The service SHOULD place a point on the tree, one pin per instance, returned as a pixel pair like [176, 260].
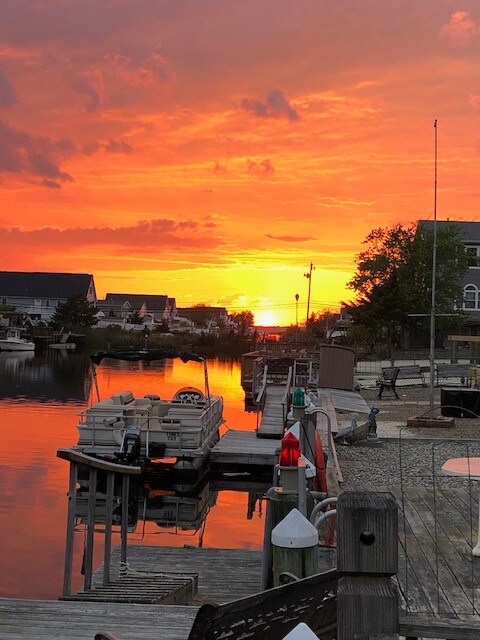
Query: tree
[75, 312]
[320, 325]
[243, 320]
[135, 318]
[393, 280]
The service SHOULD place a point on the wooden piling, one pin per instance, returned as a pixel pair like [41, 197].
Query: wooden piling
[367, 558]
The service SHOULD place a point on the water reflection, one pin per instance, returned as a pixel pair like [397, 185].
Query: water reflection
[54, 376]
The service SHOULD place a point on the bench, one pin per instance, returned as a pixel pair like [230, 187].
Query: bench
[445, 371]
[387, 381]
[270, 614]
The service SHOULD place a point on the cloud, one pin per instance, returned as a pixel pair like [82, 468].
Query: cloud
[155, 69]
[158, 232]
[109, 146]
[474, 100]
[7, 94]
[91, 85]
[262, 169]
[220, 169]
[291, 238]
[275, 106]
[23, 153]
[460, 28]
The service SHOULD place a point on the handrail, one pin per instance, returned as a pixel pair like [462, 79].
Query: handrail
[263, 387]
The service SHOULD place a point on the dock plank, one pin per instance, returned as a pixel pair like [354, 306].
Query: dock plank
[272, 422]
[237, 449]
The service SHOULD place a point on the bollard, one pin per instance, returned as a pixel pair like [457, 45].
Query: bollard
[301, 632]
[294, 547]
[367, 557]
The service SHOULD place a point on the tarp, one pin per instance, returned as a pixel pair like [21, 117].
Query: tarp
[145, 354]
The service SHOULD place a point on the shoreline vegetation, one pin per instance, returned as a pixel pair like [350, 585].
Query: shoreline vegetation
[205, 343]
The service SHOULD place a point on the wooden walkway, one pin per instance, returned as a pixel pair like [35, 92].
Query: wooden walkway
[240, 450]
[439, 580]
[273, 414]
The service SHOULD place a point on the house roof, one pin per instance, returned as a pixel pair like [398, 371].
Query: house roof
[43, 285]
[152, 302]
[468, 232]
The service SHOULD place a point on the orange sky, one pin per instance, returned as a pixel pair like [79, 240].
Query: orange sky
[210, 150]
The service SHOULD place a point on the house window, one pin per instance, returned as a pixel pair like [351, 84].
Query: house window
[4, 301]
[470, 297]
[47, 303]
[473, 256]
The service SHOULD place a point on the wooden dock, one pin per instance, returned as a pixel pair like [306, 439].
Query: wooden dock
[438, 577]
[274, 412]
[242, 450]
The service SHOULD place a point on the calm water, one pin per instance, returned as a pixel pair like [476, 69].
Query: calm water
[39, 399]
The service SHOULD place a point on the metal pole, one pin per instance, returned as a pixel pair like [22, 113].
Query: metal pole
[296, 316]
[434, 269]
[309, 277]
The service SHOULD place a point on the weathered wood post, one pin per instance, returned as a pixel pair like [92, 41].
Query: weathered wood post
[94, 465]
[294, 547]
[367, 558]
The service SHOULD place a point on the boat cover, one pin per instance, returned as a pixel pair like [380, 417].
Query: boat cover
[145, 354]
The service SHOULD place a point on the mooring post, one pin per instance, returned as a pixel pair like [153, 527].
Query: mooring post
[108, 527]
[367, 558]
[89, 540]
[72, 502]
[294, 547]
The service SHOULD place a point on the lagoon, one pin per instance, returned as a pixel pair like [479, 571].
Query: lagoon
[40, 397]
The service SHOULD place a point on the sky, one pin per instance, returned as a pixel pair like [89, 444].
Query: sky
[211, 150]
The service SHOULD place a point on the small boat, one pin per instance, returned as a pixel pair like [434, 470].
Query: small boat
[13, 341]
[63, 344]
[151, 428]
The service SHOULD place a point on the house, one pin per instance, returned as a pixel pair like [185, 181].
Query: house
[469, 234]
[37, 294]
[122, 305]
[203, 316]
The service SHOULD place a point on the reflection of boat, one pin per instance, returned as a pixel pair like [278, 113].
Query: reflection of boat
[129, 428]
[170, 509]
[13, 341]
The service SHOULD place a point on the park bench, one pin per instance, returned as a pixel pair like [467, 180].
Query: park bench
[444, 371]
[270, 614]
[387, 381]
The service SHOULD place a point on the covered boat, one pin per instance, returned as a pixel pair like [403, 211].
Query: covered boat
[129, 428]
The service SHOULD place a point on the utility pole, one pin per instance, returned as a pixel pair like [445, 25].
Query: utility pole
[296, 316]
[309, 277]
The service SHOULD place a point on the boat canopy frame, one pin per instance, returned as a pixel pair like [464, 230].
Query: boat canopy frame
[148, 355]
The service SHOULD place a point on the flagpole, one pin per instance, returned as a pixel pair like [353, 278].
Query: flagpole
[434, 274]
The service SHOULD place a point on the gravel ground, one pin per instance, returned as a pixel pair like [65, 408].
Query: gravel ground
[408, 456]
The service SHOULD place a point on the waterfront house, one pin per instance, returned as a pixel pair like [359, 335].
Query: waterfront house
[37, 294]
[122, 305]
[469, 234]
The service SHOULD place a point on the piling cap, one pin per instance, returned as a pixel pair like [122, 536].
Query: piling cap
[295, 532]
[301, 632]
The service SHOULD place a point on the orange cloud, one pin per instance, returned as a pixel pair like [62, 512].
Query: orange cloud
[461, 27]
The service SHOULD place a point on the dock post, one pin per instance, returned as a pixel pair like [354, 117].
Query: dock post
[72, 503]
[92, 492]
[108, 527]
[294, 547]
[367, 558]
[124, 523]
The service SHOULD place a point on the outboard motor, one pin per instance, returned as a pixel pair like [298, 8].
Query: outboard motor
[130, 449]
